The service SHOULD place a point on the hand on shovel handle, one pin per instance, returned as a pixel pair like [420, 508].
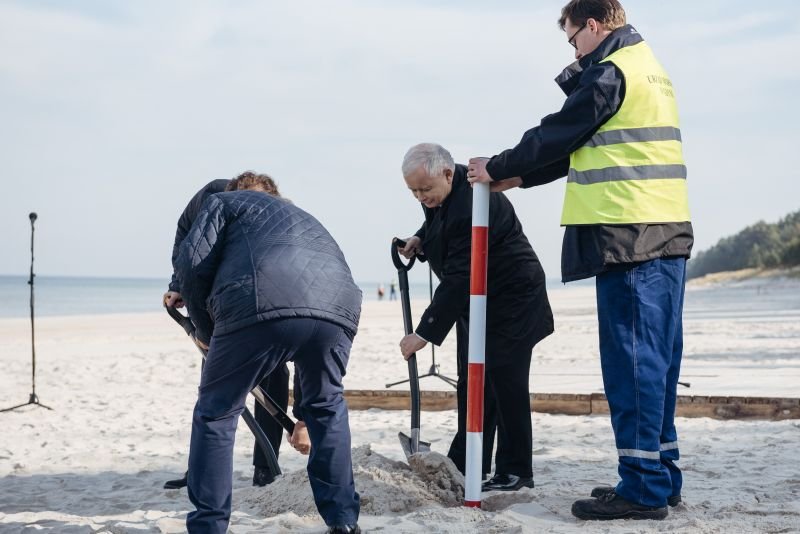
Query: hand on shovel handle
[411, 344]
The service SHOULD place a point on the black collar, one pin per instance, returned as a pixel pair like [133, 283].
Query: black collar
[619, 38]
[459, 181]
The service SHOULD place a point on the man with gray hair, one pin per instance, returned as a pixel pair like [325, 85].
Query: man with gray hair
[518, 312]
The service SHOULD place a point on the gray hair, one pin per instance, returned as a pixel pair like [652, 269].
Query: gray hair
[435, 159]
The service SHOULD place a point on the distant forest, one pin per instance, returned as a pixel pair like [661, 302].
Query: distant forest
[761, 245]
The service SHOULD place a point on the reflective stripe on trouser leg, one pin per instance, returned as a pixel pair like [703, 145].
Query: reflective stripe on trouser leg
[636, 312]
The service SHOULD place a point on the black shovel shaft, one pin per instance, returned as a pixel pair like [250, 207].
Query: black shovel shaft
[263, 442]
[273, 409]
[413, 373]
[405, 301]
[260, 395]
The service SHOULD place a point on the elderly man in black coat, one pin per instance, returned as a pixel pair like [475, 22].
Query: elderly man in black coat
[265, 283]
[518, 312]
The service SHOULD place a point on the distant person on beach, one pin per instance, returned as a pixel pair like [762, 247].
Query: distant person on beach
[381, 291]
[237, 270]
[276, 385]
[518, 311]
[626, 219]
[392, 290]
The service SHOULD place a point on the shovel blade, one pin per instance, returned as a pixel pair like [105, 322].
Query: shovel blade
[408, 445]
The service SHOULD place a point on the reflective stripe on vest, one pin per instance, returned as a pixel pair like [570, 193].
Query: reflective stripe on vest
[633, 135]
[632, 170]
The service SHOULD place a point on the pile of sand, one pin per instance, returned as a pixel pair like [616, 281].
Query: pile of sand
[386, 486]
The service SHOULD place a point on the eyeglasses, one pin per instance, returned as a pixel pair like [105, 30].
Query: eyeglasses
[571, 40]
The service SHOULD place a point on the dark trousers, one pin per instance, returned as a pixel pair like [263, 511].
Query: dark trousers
[506, 412]
[276, 385]
[640, 314]
[236, 363]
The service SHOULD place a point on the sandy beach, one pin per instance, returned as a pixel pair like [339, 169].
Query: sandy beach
[123, 387]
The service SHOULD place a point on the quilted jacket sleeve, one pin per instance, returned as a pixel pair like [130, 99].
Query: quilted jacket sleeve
[187, 218]
[197, 263]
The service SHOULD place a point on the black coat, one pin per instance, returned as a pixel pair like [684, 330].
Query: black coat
[518, 311]
[252, 257]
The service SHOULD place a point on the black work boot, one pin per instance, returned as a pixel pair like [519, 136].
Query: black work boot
[178, 483]
[507, 483]
[612, 506]
[344, 529]
[673, 501]
[262, 476]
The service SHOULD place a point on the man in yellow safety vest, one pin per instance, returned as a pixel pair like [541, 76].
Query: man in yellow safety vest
[626, 219]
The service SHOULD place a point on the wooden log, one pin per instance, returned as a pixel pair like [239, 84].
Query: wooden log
[561, 403]
[717, 407]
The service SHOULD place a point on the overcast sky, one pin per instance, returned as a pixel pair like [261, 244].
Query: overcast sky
[114, 113]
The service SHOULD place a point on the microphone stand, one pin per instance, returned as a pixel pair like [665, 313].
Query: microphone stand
[33, 399]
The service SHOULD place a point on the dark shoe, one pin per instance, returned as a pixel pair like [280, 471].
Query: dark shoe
[507, 483]
[673, 501]
[262, 476]
[612, 506]
[344, 529]
[178, 483]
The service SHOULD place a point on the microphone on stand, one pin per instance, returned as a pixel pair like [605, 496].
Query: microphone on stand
[33, 399]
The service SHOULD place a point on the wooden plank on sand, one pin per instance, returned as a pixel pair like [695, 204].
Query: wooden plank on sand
[716, 407]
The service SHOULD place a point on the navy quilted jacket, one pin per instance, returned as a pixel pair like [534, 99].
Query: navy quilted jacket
[252, 257]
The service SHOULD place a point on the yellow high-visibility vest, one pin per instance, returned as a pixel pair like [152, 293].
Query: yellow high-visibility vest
[632, 170]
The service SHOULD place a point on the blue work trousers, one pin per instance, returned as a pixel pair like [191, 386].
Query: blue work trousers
[236, 363]
[640, 314]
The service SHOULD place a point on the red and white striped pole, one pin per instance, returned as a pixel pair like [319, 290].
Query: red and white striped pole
[477, 344]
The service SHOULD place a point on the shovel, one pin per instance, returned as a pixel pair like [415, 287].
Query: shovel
[411, 445]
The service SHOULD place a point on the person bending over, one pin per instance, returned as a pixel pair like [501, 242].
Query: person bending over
[266, 284]
[277, 384]
[518, 311]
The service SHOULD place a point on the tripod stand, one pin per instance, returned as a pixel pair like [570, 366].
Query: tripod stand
[434, 369]
[33, 399]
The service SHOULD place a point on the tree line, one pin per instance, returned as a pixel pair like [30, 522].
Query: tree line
[761, 245]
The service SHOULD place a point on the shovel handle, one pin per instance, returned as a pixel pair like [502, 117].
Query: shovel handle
[398, 263]
[181, 319]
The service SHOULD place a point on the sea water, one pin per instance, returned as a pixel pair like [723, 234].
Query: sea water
[63, 295]
[57, 295]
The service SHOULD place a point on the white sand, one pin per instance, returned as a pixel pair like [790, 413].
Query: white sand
[123, 388]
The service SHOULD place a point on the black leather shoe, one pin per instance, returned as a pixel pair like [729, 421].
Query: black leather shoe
[178, 483]
[344, 529]
[673, 501]
[262, 476]
[612, 506]
[507, 483]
